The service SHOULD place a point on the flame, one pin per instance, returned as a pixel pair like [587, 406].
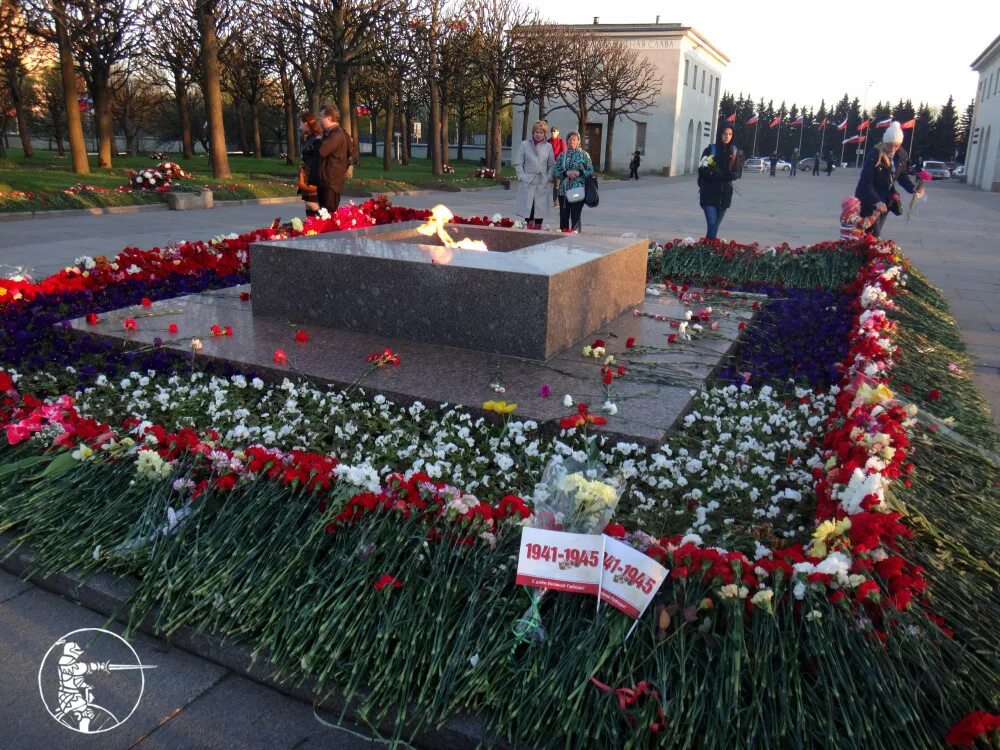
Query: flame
[441, 215]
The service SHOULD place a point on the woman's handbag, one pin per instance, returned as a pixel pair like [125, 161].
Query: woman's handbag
[575, 195]
[591, 198]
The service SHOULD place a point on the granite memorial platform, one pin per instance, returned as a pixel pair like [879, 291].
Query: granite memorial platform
[653, 396]
[531, 294]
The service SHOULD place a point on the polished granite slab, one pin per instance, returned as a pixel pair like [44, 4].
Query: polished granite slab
[531, 295]
[653, 395]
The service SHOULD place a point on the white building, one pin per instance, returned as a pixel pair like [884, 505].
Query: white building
[682, 123]
[982, 158]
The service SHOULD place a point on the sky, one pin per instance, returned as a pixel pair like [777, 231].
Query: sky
[917, 50]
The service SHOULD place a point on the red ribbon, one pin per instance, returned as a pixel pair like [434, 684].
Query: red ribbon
[629, 696]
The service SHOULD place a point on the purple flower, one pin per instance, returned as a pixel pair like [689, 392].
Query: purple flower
[545, 391]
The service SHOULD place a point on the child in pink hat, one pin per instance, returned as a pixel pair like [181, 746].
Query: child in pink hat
[852, 225]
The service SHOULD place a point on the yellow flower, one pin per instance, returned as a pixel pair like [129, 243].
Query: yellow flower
[825, 531]
[500, 407]
[588, 350]
[874, 395]
[3, 291]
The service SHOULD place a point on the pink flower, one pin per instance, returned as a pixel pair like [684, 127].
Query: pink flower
[280, 357]
[545, 391]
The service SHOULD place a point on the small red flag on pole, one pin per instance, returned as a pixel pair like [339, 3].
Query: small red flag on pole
[843, 125]
[863, 126]
[795, 122]
[908, 125]
[823, 123]
[731, 118]
[775, 122]
[884, 123]
[753, 120]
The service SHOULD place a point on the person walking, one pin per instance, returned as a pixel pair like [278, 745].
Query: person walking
[816, 164]
[829, 163]
[795, 162]
[308, 180]
[334, 152]
[534, 163]
[572, 170]
[633, 166]
[720, 164]
[774, 163]
[558, 146]
[884, 167]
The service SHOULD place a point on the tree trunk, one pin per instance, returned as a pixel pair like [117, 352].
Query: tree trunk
[291, 142]
[488, 153]
[445, 141]
[541, 101]
[213, 88]
[130, 143]
[373, 119]
[344, 102]
[434, 128]
[19, 108]
[103, 118]
[404, 130]
[255, 125]
[67, 66]
[497, 136]
[353, 116]
[390, 124]
[181, 97]
[241, 128]
[524, 118]
[609, 139]
[461, 128]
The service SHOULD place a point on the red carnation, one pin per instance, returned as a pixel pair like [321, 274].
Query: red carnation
[227, 331]
[6, 384]
[147, 302]
[172, 328]
[972, 727]
[742, 325]
[244, 296]
[630, 342]
[672, 338]
[615, 529]
[280, 357]
[387, 580]
[934, 395]
[92, 319]
[129, 324]
[301, 336]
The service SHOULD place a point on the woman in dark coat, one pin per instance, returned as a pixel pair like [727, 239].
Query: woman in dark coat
[719, 166]
[885, 165]
[308, 179]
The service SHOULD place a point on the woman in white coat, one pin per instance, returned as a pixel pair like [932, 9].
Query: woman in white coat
[534, 163]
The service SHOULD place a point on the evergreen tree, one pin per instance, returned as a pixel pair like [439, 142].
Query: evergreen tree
[944, 131]
[921, 148]
[964, 128]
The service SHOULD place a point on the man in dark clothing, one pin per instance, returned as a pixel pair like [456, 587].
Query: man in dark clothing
[816, 164]
[334, 152]
[633, 166]
[774, 163]
[829, 163]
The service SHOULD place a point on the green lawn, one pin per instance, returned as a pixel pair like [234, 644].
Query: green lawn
[47, 176]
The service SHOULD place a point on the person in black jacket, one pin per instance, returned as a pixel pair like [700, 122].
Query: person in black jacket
[774, 163]
[885, 165]
[719, 166]
[633, 167]
[816, 164]
[308, 180]
[829, 163]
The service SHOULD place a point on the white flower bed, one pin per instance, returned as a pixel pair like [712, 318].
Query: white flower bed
[737, 469]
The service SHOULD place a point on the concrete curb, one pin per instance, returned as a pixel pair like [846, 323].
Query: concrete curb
[95, 211]
[106, 594]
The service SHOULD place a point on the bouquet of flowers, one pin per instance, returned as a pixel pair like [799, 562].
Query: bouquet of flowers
[447, 169]
[485, 173]
[918, 194]
[708, 166]
[573, 496]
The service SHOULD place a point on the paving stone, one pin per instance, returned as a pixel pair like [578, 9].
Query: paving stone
[11, 586]
[239, 713]
[31, 623]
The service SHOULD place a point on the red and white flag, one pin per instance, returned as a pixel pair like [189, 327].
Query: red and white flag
[884, 123]
[843, 125]
[853, 139]
[731, 118]
[753, 120]
[908, 125]
[776, 121]
[863, 126]
[796, 122]
[823, 123]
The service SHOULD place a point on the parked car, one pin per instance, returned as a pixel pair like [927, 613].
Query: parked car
[937, 169]
[784, 166]
[754, 164]
[807, 164]
[958, 172]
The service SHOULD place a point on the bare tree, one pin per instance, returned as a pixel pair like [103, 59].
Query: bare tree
[135, 95]
[51, 20]
[173, 44]
[16, 44]
[52, 103]
[495, 52]
[628, 86]
[581, 85]
[206, 13]
[245, 68]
